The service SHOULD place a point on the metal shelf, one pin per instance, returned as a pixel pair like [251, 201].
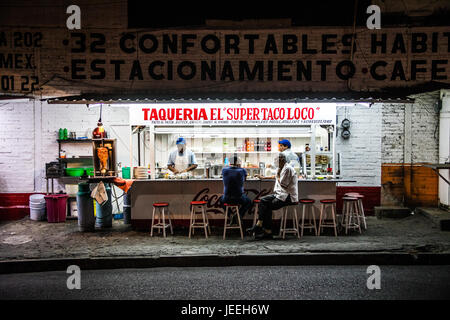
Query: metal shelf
[77, 159]
[74, 140]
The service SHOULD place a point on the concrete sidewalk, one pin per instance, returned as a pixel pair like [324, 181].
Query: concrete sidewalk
[45, 246]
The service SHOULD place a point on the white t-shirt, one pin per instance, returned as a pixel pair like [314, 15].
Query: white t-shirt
[287, 184]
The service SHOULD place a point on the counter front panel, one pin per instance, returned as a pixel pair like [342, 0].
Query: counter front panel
[179, 194]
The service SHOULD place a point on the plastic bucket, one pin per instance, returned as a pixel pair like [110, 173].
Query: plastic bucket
[104, 211]
[37, 212]
[86, 219]
[126, 208]
[37, 198]
[126, 172]
[56, 207]
[37, 207]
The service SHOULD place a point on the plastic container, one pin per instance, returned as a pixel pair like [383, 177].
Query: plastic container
[126, 208]
[75, 172]
[126, 172]
[56, 207]
[104, 211]
[90, 172]
[118, 216]
[86, 218]
[37, 199]
[37, 207]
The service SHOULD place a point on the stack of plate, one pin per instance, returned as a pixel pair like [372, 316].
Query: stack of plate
[140, 173]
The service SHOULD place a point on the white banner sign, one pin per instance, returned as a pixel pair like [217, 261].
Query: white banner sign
[233, 114]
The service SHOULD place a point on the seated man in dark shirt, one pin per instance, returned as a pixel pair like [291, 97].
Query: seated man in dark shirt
[233, 186]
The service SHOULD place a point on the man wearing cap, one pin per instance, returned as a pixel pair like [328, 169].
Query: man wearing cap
[291, 157]
[181, 160]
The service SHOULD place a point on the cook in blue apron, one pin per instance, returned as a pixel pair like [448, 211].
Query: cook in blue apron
[181, 160]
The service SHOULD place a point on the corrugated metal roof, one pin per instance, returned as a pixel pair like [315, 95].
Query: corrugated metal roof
[91, 98]
[386, 94]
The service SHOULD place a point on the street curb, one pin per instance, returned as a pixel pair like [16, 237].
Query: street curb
[328, 258]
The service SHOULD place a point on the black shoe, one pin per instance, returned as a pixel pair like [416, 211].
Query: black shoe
[255, 229]
[264, 236]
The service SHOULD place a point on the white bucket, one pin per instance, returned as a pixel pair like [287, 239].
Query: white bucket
[73, 209]
[37, 212]
[37, 198]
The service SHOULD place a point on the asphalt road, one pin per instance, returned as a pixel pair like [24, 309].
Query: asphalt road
[238, 283]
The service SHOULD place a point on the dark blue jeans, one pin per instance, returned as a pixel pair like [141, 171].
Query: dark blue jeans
[244, 201]
[267, 204]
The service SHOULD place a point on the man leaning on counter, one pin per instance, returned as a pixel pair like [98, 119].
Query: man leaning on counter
[182, 159]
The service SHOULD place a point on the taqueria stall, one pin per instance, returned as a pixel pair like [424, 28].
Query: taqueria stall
[214, 132]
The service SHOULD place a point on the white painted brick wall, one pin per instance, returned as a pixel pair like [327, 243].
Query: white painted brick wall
[424, 130]
[360, 154]
[16, 147]
[17, 139]
[393, 128]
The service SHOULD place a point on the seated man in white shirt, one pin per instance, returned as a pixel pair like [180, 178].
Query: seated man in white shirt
[285, 193]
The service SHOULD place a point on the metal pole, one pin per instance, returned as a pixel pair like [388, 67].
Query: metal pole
[139, 147]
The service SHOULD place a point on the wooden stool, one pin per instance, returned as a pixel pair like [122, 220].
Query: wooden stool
[349, 212]
[360, 206]
[231, 206]
[256, 203]
[284, 218]
[308, 204]
[205, 224]
[161, 206]
[324, 204]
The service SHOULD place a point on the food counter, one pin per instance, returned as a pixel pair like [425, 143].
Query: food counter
[180, 192]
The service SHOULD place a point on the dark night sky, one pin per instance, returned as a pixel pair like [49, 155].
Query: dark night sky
[194, 13]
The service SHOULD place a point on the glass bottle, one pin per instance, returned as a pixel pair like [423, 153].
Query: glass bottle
[99, 132]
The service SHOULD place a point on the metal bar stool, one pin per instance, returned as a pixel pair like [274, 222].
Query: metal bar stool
[350, 212]
[284, 218]
[256, 203]
[324, 204]
[360, 206]
[161, 206]
[226, 227]
[308, 204]
[193, 224]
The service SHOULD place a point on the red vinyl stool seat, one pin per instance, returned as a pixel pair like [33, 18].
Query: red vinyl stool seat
[307, 201]
[198, 202]
[328, 201]
[160, 204]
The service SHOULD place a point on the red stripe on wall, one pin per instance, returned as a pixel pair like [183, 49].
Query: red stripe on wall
[372, 197]
[14, 206]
